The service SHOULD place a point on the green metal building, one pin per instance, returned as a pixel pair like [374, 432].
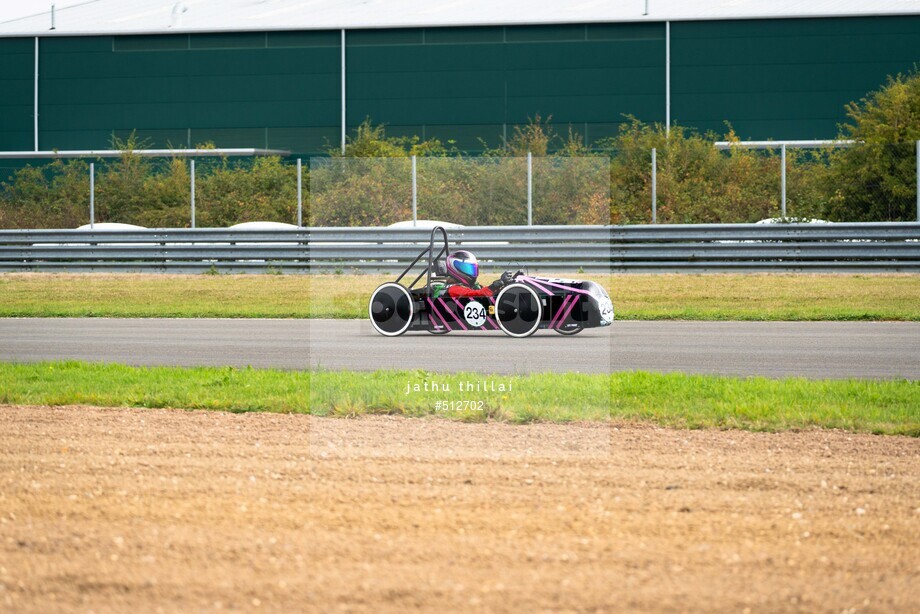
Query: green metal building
[285, 74]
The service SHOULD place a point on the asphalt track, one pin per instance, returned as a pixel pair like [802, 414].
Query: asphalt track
[772, 349]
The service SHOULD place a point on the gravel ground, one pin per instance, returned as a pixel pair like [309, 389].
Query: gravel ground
[117, 509]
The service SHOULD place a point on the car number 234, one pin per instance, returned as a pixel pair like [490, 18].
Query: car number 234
[475, 314]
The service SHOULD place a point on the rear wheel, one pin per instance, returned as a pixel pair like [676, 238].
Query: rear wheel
[390, 309]
[518, 310]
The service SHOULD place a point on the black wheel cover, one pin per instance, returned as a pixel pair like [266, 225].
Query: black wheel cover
[518, 310]
[390, 309]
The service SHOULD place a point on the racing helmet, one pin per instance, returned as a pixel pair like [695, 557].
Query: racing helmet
[463, 266]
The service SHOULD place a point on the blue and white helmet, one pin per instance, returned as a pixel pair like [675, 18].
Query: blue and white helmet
[463, 266]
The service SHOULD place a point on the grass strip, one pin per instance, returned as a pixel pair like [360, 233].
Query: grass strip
[635, 296]
[674, 400]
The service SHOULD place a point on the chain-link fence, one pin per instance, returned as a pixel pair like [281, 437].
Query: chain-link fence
[486, 191]
[52, 195]
[837, 181]
[859, 183]
[233, 190]
[678, 183]
[360, 191]
[740, 182]
[148, 191]
[473, 191]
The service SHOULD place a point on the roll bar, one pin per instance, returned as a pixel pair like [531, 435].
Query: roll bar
[432, 260]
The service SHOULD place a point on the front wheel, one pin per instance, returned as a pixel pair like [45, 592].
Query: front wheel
[569, 332]
[390, 309]
[518, 310]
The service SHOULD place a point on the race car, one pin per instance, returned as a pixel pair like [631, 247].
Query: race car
[517, 304]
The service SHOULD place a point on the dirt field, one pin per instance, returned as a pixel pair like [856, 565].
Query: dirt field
[138, 509]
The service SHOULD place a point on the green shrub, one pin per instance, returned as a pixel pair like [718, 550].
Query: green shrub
[696, 183]
[265, 190]
[55, 195]
[877, 181]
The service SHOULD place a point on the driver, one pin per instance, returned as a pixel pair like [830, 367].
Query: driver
[463, 267]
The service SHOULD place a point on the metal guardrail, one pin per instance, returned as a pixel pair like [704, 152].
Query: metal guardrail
[768, 247]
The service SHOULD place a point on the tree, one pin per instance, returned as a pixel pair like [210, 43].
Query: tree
[371, 141]
[696, 183]
[55, 195]
[875, 180]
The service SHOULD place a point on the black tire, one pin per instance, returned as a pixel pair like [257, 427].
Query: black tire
[569, 332]
[390, 309]
[518, 310]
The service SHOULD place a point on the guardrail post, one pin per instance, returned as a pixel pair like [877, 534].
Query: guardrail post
[92, 194]
[299, 195]
[192, 173]
[918, 180]
[414, 194]
[654, 186]
[529, 189]
[783, 180]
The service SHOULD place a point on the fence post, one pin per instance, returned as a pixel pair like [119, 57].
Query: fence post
[529, 189]
[414, 194]
[917, 159]
[92, 195]
[192, 173]
[783, 181]
[299, 195]
[654, 186]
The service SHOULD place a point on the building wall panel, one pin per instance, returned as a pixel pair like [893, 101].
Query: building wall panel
[228, 89]
[769, 78]
[17, 70]
[784, 78]
[501, 77]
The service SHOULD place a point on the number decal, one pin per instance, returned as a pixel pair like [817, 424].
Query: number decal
[475, 314]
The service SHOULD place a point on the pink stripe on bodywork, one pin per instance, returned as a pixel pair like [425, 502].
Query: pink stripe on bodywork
[447, 309]
[533, 282]
[565, 302]
[569, 288]
[565, 316]
[437, 313]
